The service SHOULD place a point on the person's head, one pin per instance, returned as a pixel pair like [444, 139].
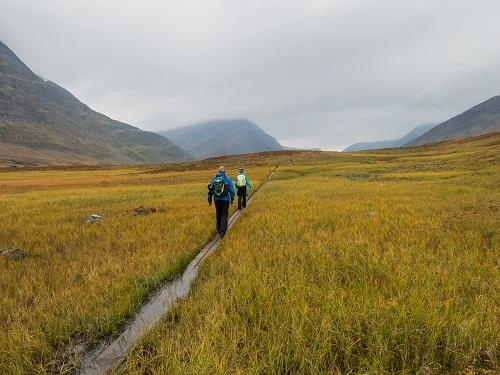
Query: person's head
[241, 170]
[222, 169]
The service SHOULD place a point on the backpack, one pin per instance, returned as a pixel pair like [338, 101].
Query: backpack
[241, 180]
[219, 186]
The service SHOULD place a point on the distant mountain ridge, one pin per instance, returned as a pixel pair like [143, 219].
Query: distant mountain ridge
[481, 119]
[222, 137]
[415, 133]
[43, 124]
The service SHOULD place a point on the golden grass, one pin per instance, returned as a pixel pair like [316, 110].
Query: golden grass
[381, 262]
[83, 280]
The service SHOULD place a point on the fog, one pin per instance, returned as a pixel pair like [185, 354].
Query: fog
[312, 73]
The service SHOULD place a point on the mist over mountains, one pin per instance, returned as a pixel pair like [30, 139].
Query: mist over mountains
[415, 133]
[481, 119]
[41, 123]
[222, 137]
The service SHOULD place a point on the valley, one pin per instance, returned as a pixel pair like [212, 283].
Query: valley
[377, 261]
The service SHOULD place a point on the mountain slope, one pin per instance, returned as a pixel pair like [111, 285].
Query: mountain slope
[481, 119]
[222, 137]
[42, 123]
[415, 133]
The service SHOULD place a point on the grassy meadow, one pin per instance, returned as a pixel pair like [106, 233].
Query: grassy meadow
[80, 281]
[369, 263]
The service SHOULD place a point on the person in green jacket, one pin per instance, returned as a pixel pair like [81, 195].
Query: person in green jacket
[243, 185]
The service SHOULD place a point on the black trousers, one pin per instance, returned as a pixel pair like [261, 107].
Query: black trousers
[242, 197]
[221, 213]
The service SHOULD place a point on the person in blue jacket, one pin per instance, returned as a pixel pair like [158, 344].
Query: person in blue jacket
[221, 190]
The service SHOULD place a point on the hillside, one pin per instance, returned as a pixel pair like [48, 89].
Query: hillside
[415, 133]
[43, 124]
[222, 137]
[481, 119]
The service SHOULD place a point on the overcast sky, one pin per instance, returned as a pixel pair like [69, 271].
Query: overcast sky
[312, 73]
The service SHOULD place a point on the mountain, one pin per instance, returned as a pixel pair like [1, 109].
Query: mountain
[43, 124]
[222, 137]
[415, 133]
[481, 119]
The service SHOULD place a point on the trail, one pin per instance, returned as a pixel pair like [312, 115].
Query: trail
[109, 355]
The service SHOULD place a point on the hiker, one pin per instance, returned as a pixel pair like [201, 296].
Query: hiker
[221, 190]
[243, 185]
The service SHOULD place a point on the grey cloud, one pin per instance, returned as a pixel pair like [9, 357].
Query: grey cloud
[312, 73]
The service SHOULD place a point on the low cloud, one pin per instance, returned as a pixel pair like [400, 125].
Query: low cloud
[312, 73]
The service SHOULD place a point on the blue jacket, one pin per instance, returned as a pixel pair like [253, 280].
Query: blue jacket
[227, 197]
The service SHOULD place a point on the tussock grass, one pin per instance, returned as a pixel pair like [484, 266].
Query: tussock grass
[393, 272]
[81, 281]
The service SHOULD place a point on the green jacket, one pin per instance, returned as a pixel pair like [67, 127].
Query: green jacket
[248, 183]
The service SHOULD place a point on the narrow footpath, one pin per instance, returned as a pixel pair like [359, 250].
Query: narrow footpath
[111, 354]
